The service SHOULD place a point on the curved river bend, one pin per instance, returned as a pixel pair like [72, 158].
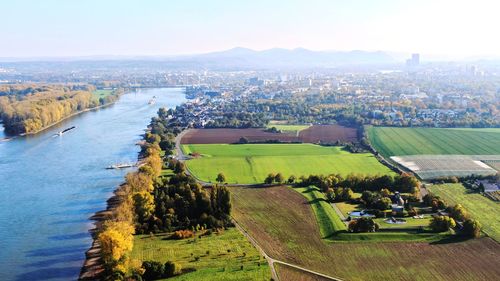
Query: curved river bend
[51, 185]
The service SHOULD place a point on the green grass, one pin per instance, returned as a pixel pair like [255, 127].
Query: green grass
[486, 211]
[289, 128]
[333, 229]
[346, 207]
[102, 93]
[328, 220]
[391, 141]
[251, 163]
[218, 264]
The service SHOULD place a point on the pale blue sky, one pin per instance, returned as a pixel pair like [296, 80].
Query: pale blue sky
[125, 27]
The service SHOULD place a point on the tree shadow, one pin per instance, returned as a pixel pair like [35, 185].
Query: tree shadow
[80, 235]
[54, 261]
[54, 251]
[66, 273]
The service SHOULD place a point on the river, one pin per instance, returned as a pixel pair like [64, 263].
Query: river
[50, 185]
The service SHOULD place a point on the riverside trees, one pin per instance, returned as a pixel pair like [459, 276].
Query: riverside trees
[29, 111]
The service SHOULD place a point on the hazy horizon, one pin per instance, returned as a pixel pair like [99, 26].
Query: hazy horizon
[453, 29]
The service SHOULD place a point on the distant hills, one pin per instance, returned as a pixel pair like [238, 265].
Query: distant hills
[285, 58]
[239, 58]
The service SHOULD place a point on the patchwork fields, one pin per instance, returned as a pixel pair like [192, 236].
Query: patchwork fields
[283, 222]
[291, 133]
[391, 141]
[485, 210]
[251, 163]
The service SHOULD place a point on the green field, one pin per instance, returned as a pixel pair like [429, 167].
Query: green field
[486, 211]
[328, 221]
[289, 128]
[102, 93]
[251, 163]
[391, 141]
[214, 257]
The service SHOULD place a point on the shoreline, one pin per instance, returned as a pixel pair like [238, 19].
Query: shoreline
[63, 119]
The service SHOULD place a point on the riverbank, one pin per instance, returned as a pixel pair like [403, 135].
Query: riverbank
[92, 268]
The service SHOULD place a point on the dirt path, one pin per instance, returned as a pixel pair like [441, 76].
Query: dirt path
[273, 261]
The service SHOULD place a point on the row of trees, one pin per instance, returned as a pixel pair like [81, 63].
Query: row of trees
[457, 213]
[359, 183]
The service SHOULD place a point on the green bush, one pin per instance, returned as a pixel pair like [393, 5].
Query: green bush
[442, 223]
[472, 228]
[153, 270]
[172, 269]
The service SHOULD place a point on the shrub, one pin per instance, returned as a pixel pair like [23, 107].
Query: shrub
[383, 204]
[458, 212]
[172, 269]
[153, 270]
[442, 223]
[182, 234]
[363, 225]
[472, 228]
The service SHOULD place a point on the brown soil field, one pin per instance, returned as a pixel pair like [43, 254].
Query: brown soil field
[284, 225]
[292, 274]
[208, 136]
[328, 133]
[313, 134]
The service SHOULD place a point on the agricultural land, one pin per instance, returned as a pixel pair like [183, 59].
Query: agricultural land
[292, 234]
[219, 256]
[485, 210]
[392, 141]
[251, 163]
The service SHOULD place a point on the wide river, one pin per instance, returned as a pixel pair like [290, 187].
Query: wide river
[50, 185]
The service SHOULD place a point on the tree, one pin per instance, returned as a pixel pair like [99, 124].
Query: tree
[172, 269]
[221, 178]
[458, 212]
[330, 195]
[442, 223]
[116, 241]
[383, 203]
[269, 179]
[153, 270]
[472, 228]
[363, 224]
[144, 205]
[279, 178]
[291, 179]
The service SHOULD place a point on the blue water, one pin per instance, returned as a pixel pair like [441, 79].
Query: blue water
[50, 186]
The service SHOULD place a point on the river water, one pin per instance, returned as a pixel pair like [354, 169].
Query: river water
[50, 185]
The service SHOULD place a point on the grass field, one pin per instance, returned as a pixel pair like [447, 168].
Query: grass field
[328, 221]
[214, 257]
[251, 163]
[289, 128]
[283, 223]
[390, 141]
[102, 93]
[486, 211]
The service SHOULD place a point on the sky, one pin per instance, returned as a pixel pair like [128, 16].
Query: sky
[59, 28]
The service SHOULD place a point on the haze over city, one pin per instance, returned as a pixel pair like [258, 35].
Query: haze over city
[437, 29]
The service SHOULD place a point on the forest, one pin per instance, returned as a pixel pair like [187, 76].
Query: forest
[26, 109]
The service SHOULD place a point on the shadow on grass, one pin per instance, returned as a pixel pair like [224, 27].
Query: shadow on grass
[450, 239]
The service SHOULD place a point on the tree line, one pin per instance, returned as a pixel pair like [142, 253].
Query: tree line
[150, 203]
[30, 109]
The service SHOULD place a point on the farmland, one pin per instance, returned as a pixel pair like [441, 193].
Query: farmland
[436, 166]
[390, 141]
[284, 224]
[486, 211]
[288, 128]
[312, 134]
[251, 163]
[213, 257]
